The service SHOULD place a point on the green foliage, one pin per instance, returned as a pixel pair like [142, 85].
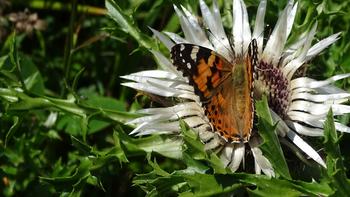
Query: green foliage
[271, 146]
[127, 24]
[185, 183]
[63, 112]
[194, 152]
[335, 168]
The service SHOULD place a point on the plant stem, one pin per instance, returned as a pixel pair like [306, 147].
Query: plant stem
[69, 46]
[56, 5]
[19, 101]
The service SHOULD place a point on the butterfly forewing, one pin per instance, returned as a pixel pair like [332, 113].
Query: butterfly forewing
[224, 88]
[205, 69]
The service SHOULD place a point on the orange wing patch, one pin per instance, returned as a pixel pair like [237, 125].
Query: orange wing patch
[201, 80]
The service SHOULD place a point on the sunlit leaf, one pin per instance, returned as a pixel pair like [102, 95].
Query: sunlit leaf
[170, 147]
[271, 146]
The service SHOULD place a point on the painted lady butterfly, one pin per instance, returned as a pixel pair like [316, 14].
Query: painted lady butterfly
[224, 88]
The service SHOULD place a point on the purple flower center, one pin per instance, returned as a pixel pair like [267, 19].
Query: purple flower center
[275, 86]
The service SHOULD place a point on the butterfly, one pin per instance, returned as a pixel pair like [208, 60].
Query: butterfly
[225, 88]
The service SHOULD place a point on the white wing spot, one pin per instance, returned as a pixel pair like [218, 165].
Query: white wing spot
[180, 54]
[188, 65]
[194, 52]
[182, 47]
[183, 60]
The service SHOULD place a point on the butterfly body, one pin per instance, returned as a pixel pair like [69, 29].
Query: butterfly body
[224, 88]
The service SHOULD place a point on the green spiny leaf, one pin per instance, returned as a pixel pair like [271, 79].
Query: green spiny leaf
[86, 149]
[194, 150]
[119, 152]
[271, 146]
[335, 167]
[128, 24]
[168, 146]
[73, 183]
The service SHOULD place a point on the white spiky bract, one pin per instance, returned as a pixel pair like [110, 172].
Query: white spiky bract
[308, 103]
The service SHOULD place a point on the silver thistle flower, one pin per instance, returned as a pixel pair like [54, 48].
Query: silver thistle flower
[299, 105]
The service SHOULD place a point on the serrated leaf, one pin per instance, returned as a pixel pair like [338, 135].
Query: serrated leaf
[168, 146]
[193, 146]
[127, 24]
[271, 146]
[119, 152]
[335, 167]
[82, 172]
[194, 150]
[156, 168]
[209, 185]
[275, 187]
[158, 182]
[186, 183]
[86, 149]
